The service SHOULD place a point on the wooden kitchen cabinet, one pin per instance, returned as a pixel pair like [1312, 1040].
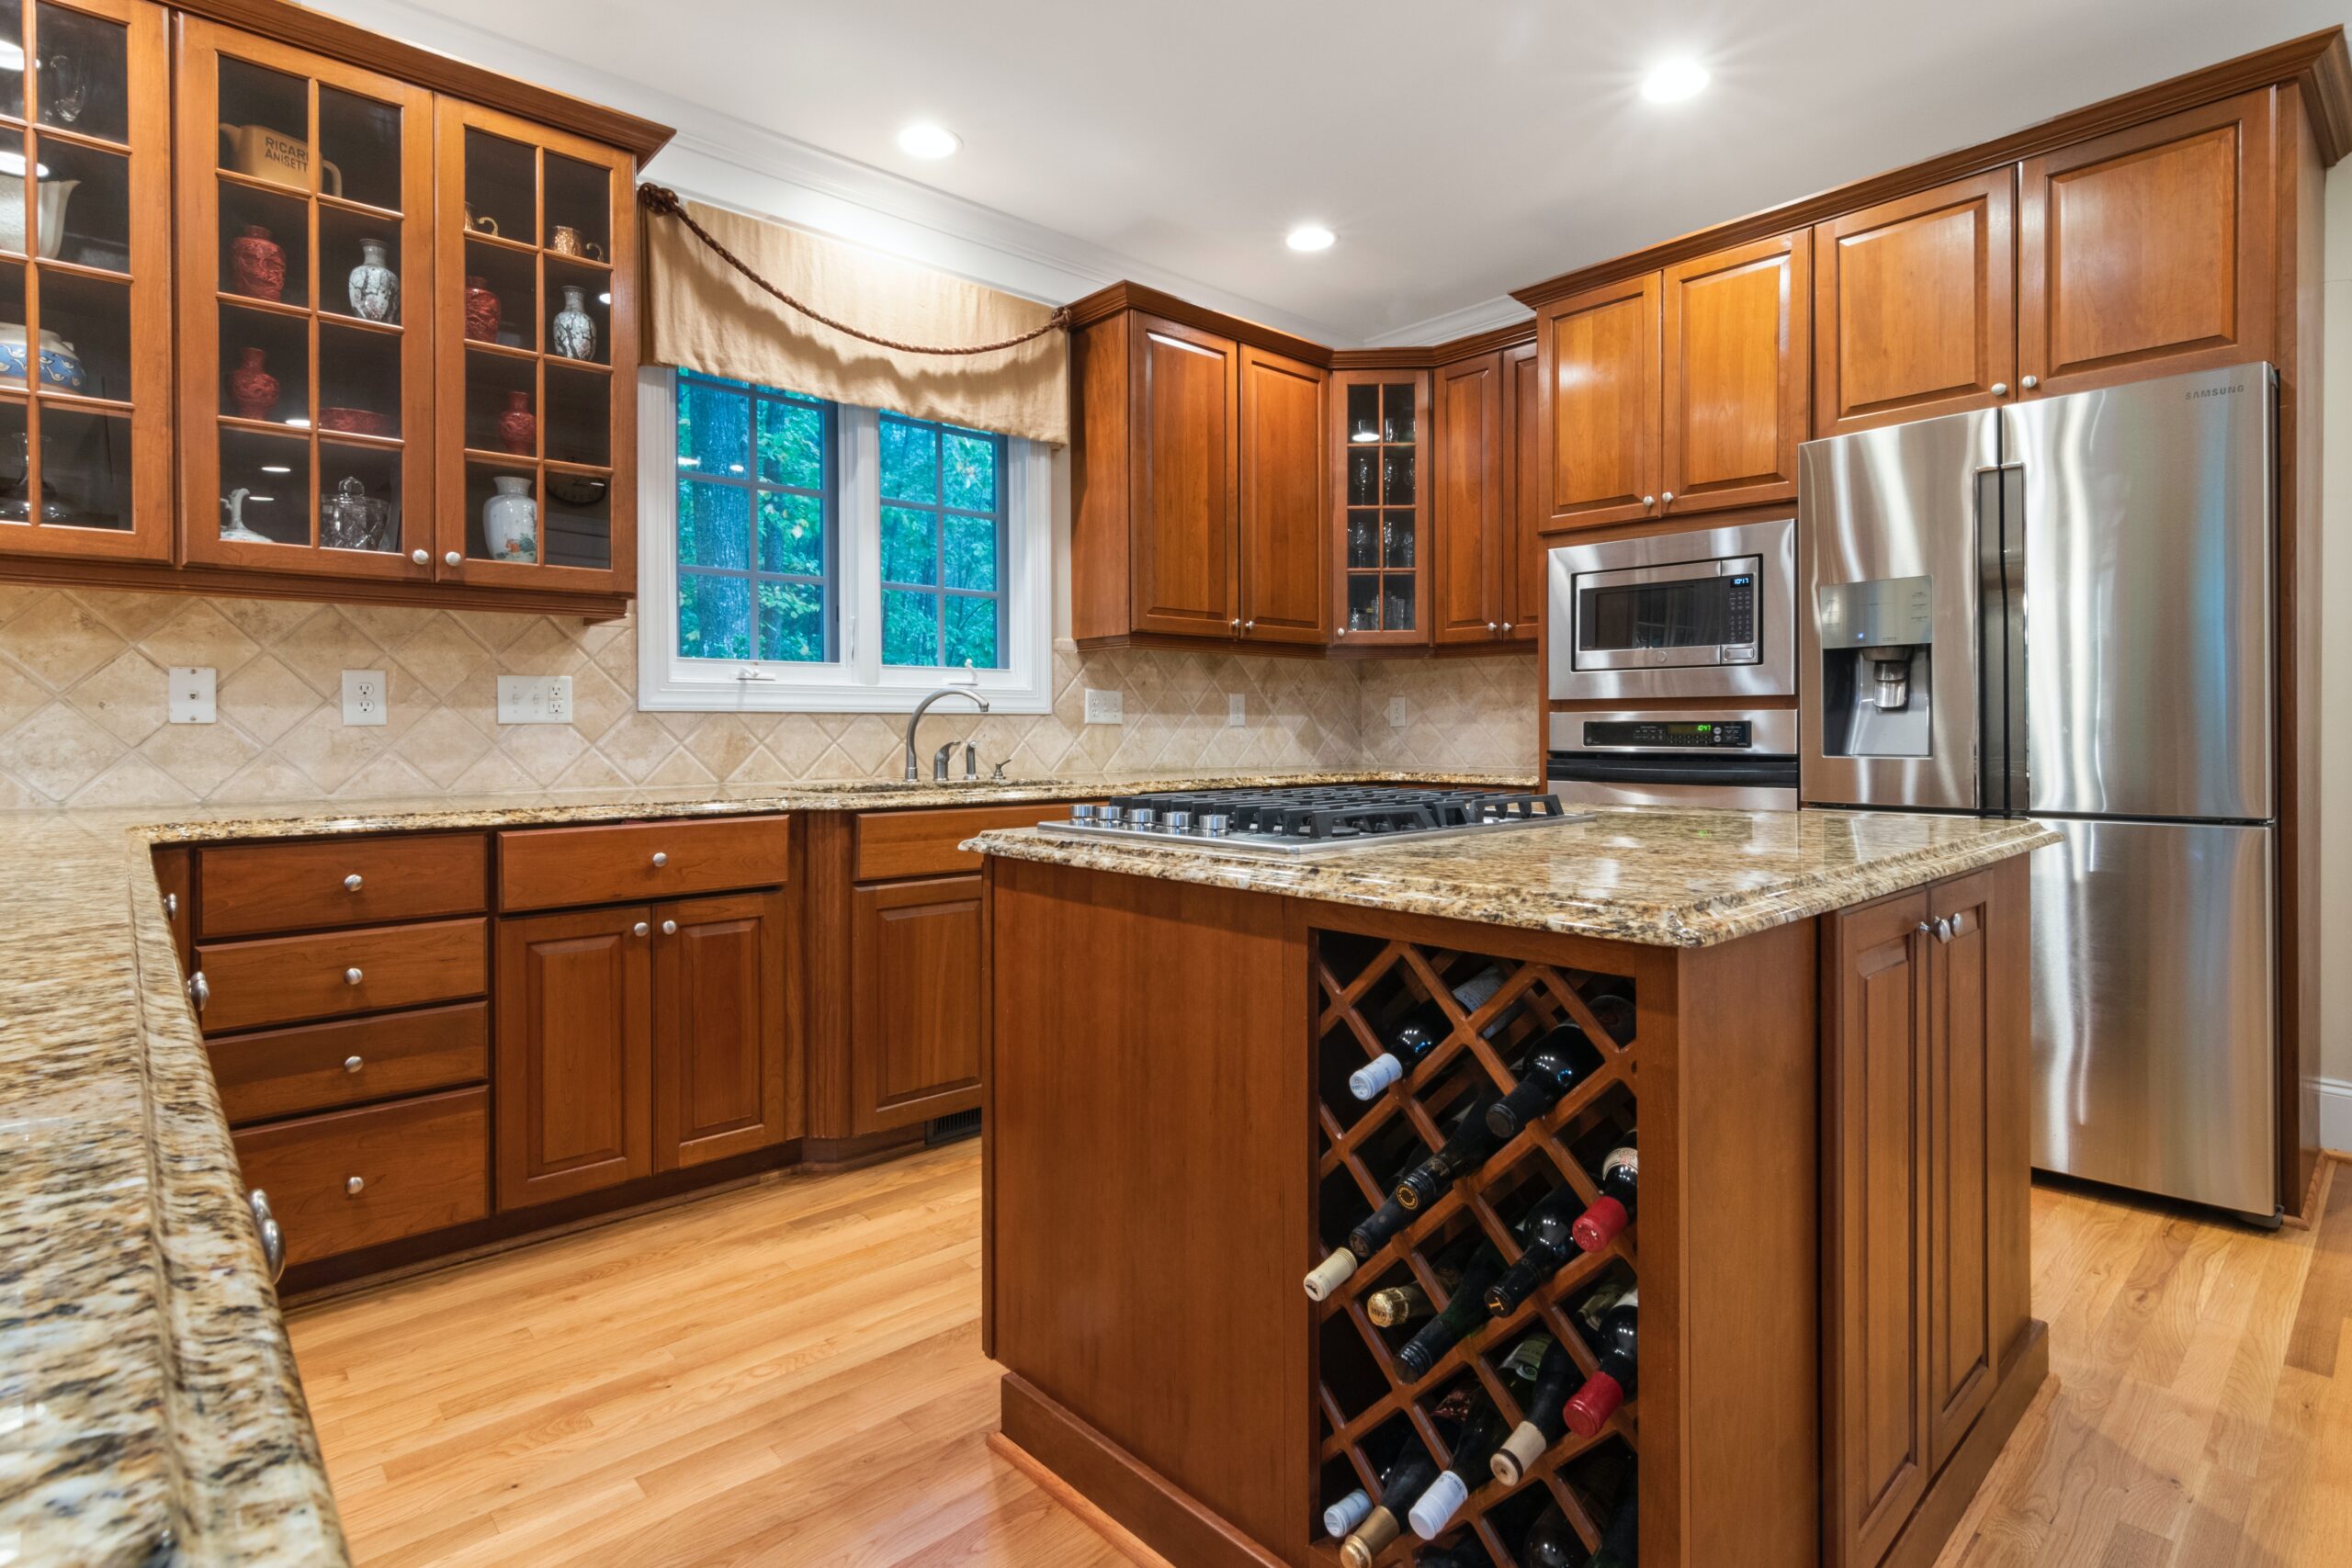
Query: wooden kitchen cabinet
[574, 1060]
[1737, 377]
[1601, 383]
[1925, 1201]
[1186, 474]
[1524, 546]
[1468, 500]
[1284, 550]
[917, 996]
[720, 1086]
[1914, 306]
[355, 1178]
[1380, 530]
[2150, 251]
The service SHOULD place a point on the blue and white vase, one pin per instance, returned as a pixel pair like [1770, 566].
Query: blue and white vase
[59, 365]
[375, 287]
[575, 329]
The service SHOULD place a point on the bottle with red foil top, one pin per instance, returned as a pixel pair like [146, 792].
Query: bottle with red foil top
[1621, 1178]
[1614, 1376]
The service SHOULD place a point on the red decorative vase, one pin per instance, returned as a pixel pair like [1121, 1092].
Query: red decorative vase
[251, 386]
[518, 427]
[482, 312]
[256, 264]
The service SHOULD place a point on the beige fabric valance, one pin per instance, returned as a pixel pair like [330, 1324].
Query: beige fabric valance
[703, 314]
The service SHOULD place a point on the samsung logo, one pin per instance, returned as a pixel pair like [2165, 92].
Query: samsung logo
[2214, 392]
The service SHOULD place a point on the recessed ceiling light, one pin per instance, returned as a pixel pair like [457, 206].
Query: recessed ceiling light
[924, 140]
[1674, 81]
[276, 468]
[1310, 237]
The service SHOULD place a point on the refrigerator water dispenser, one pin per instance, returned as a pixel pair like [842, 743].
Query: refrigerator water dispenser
[1877, 657]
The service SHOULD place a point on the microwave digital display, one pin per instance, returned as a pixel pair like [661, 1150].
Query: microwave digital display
[1691, 612]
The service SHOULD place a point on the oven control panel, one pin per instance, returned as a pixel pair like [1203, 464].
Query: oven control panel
[1721, 735]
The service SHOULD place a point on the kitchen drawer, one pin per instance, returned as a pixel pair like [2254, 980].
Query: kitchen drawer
[356, 1178]
[341, 882]
[284, 979]
[321, 1066]
[893, 844]
[549, 868]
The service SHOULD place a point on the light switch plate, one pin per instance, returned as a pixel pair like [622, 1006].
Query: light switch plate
[1397, 719]
[1237, 710]
[1105, 708]
[363, 697]
[191, 699]
[535, 699]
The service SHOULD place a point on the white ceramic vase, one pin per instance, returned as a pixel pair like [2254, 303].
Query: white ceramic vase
[575, 329]
[510, 520]
[375, 287]
[54, 196]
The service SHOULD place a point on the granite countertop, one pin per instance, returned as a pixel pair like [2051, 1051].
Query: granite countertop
[150, 1410]
[1665, 876]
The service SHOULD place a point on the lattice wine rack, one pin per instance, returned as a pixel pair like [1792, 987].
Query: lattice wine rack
[1368, 1403]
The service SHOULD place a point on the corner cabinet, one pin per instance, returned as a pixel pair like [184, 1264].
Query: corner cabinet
[85, 306]
[1383, 514]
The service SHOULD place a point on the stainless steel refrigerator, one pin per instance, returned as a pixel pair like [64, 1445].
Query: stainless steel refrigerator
[2064, 609]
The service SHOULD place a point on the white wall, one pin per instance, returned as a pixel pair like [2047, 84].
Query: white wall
[2335, 679]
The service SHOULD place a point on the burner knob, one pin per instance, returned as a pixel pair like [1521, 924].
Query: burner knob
[1141, 817]
[1214, 825]
[1177, 822]
[1106, 815]
[1084, 815]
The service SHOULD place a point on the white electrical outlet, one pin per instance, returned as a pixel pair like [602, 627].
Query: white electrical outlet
[535, 699]
[1397, 719]
[363, 697]
[1237, 710]
[191, 699]
[1105, 708]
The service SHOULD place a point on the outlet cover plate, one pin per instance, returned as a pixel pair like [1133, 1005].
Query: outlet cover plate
[1237, 710]
[1397, 717]
[191, 695]
[1105, 708]
[535, 699]
[363, 697]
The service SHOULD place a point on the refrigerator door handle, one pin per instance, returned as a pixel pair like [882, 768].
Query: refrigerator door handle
[2000, 642]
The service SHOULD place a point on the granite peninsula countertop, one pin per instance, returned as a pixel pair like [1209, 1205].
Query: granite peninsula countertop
[150, 1409]
[1665, 876]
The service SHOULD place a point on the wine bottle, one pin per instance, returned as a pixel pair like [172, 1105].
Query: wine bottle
[1621, 1537]
[1544, 1244]
[1613, 1378]
[1402, 1481]
[1555, 1379]
[1402, 1303]
[1552, 1542]
[1464, 1554]
[1420, 1031]
[1368, 1236]
[1560, 1061]
[1620, 1177]
[1464, 1312]
[1481, 1434]
[1344, 1515]
[1465, 1149]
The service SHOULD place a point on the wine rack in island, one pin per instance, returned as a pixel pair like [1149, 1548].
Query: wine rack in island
[1474, 1265]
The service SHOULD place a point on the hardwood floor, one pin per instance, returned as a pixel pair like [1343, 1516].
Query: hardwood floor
[791, 1374]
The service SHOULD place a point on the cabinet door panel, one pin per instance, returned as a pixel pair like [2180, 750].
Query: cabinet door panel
[1601, 394]
[1186, 561]
[1738, 386]
[1523, 542]
[2148, 251]
[720, 1027]
[915, 1005]
[1877, 1197]
[1466, 499]
[1286, 592]
[1961, 1013]
[574, 1053]
[1916, 306]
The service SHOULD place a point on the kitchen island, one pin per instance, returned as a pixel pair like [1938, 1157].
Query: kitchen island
[1814, 1018]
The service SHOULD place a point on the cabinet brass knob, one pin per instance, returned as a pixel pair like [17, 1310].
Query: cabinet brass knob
[351, 883]
[355, 1184]
[351, 976]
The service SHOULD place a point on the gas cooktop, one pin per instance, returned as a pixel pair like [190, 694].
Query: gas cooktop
[1308, 819]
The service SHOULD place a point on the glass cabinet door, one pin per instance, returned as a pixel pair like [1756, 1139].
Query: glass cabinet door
[305, 204]
[84, 280]
[537, 355]
[1382, 418]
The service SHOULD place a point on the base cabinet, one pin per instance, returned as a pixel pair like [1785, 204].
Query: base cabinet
[915, 967]
[719, 1030]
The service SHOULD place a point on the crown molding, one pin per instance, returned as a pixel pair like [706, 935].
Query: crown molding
[1471, 321]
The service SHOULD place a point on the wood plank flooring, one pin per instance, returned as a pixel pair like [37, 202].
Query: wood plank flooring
[791, 1374]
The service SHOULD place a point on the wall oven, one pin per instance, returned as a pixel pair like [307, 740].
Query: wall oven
[1710, 614]
[1741, 759]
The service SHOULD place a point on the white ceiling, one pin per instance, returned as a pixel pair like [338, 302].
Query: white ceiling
[1460, 150]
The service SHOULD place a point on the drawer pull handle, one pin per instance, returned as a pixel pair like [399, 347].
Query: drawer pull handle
[273, 1240]
[355, 1185]
[660, 859]
[669, 928]
[351, 883]
[171, 905]
[351, 1064]
[351, 976]
[640, 928]
[199, 990]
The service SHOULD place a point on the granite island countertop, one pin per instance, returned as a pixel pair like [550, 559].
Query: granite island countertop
[1666, 876]
[150, 1408]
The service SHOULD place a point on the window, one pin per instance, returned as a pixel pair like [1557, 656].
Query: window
[798, 555]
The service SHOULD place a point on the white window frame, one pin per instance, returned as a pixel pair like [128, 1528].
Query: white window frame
[858, 682]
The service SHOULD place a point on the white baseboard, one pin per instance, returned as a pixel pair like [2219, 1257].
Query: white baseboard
[2335, 1115]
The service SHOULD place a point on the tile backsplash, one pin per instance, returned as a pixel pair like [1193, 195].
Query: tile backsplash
[83, 718]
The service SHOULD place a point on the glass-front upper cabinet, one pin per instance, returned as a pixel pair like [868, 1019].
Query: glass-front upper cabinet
[305, 219]
[85, 305]
[1382, 571]
[537, 350]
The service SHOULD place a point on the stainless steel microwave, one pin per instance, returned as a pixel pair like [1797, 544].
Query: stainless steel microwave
[1710, 614]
